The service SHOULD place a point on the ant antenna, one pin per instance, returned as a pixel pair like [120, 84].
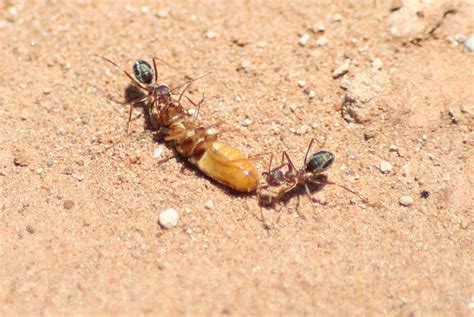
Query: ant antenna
[156, 70]
[124, 71]
[190, 81]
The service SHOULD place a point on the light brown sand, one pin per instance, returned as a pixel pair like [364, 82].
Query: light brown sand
[63, 145]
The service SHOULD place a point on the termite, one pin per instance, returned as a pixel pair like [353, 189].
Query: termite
[218, 160]
[286, 177]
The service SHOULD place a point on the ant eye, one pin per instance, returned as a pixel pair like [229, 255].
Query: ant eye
[143, 72]
[319, 162]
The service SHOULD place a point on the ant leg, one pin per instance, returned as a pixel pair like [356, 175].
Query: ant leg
[307, 151]
[156, 71]
[298, 208]
[290, 163]
[327, 182]
[270, 165]
[133, 103]
[163, 61]
[124, 71]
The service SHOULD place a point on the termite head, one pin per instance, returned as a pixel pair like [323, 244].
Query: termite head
[319, 162]
[143, 72]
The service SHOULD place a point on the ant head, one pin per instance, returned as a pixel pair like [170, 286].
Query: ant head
[162, 92]
[320, 162]
[143, 72]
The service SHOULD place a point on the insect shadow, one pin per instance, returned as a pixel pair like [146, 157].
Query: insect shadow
[131, 94]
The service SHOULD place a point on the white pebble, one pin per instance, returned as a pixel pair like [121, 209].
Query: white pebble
[337, 17]
[168, 218]
[246, 122]
[322, 41]
[469, 44]
[157, 152]
[209, 204]
[377, 64]
[319, 27]
[303, 130]
[385, 167]
[262, 44]
[301, 83]
[304, 39]
[162, 14]
[406, 201]
[211, 34]
[311, 93]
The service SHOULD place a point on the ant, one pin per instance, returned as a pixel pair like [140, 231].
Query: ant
[287, 177]
[146, 78]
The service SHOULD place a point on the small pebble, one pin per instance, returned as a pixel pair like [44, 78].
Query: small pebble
[20, 158]
[377, 64]
[342, 70]
[318, 27]
[244, 65]
[67, 171]
[262, 44]
[385, 167]
[424, 194]
[301, 83]
[304, 39]
[246, 122]
[47, 91]
[68, 204]
[211, 34]
[209, 204]
[168, 218]
[322, 41]
[157, 152]
[79, 177]
[459, 38]
[303, 130]
[311, 93]
[406, 200]
[469, 44]
[337, 17]
[162, 14]
[30, 229]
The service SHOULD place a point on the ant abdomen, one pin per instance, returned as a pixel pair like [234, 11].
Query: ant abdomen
[143, 72]
[319, 162]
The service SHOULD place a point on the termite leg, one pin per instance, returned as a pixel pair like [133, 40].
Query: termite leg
[198, 105]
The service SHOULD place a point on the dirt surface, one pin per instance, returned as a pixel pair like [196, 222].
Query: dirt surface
[80, 199]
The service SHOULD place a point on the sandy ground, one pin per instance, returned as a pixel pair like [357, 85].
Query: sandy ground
[80, 199]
